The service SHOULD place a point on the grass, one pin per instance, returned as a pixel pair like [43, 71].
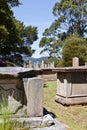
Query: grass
[7, 123]
[74, 117]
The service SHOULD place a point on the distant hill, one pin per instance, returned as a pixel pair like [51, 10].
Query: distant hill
[32, 59]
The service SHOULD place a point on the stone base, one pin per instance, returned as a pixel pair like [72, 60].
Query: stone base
[39, 123]
[71, 100]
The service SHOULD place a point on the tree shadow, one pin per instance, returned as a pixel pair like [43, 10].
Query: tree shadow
[45, 112]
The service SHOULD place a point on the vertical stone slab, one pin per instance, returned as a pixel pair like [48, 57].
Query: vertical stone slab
[36, 65]
[30, 64]
[34, 94]
[42, 64]
[86, 64]
[25, 65]
[75, 62]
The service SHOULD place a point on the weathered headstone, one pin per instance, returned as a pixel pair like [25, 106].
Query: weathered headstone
[75, 62]
[85, 63]
[36, 65]
[42, 64]
[25, 65]
[34, 93]
[30, 64]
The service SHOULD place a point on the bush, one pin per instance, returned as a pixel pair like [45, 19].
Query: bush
[74, 47]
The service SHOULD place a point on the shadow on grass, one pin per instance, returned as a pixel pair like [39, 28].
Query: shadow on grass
[45, 85]
[45, 112]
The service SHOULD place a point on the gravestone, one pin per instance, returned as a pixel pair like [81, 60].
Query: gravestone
[42, 64]
[75, 62]
[71, 85]
[30, 64]
[12, 88]
[34, 93]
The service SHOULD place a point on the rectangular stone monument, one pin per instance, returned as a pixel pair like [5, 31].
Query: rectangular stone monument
[12, 88]
[71, 85]
[34, 94]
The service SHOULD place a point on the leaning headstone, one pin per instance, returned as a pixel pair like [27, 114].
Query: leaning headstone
[75, 62]
[34, 93]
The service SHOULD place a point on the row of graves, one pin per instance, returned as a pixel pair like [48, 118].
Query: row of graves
[22, 87]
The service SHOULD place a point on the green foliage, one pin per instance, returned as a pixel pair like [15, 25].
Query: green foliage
[15, 38]
[5, 115]
[74, 47]
[70, 19]
[71, 16]
[13, 3]
[3, 33]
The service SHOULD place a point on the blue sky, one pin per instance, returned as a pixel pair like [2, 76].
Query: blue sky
[36, 13]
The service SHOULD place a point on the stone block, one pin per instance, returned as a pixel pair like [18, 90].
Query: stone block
[11, 92]
[34, 93]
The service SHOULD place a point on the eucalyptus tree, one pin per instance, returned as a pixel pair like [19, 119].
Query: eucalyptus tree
[70, 18]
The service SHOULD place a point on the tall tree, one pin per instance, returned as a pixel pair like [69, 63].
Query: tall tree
[71, 18]
[15, 38]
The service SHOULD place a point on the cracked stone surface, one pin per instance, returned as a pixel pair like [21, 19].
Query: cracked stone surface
[41, 123]
[57, 126]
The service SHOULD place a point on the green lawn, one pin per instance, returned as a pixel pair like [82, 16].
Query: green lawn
[74, 117]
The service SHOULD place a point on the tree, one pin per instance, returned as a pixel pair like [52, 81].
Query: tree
[74, 47]
[71, 17]
[28, 35]
[14, 35]
[13, 3]
[9, 33]
[51, 45]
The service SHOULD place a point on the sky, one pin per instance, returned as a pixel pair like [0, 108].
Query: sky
[36, 13]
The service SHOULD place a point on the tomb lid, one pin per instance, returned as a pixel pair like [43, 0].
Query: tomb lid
[18, 72]
[71, 69]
